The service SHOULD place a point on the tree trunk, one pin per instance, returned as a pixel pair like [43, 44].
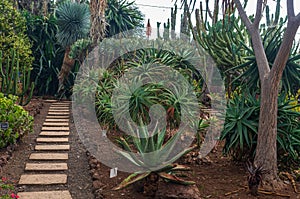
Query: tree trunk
[266, 150]
[66, 67]
[98, 24]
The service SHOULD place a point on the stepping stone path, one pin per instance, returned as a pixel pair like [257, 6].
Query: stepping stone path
[49, 160]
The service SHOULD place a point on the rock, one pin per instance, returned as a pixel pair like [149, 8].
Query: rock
[97, 184]
[93, 162]
[205, 160]
[96, 176]
[177, 191]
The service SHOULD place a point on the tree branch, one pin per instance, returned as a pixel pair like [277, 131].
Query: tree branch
[298, 19]
[258, 13]
[243, 15]
[285, 48]
[290, 8]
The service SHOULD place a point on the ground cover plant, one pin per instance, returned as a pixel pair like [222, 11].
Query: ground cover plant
[19, 121]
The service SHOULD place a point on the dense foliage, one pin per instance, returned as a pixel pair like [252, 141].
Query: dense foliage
[20, 123]
[13, 33]
[122, 15]
[73, 20]
[47, 52]
[241, 125]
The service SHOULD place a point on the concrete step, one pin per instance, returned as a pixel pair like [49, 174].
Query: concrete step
[46, 167]
[51, 100]
[50, 140]
[54, 133]
[49, 156]
[54, 147]
[57, 117]
[58, 113]
[43, 179]
[56, 120]
[66, 110]
[48, 128]
[56, 124]
[60, 105]
[45, 194]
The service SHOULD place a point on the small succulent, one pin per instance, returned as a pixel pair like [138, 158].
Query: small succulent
[255, 177]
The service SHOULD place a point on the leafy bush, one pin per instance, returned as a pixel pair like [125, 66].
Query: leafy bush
[140, 63]
[241, 126]
[12, 34]
[46, 50]
[20, 122]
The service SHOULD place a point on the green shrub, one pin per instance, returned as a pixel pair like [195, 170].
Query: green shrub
[241, 127]
[47, 52]
[20, 122]
[12, 34]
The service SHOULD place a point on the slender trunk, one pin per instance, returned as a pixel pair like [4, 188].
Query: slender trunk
[66, 67]
[266, 153]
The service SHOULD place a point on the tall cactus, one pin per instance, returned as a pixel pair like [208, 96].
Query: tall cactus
[158, 26]
[15, 79]
[226, 40]
[173, 21]
[166, 34]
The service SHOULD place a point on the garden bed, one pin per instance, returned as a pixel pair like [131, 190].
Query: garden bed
[214, 176]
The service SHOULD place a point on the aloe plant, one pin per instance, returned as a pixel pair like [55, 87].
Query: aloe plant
[241, 123]
[154, 150]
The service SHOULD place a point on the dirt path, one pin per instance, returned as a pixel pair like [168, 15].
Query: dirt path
[77, 185]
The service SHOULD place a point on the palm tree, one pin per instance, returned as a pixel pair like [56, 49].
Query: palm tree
[73, 20]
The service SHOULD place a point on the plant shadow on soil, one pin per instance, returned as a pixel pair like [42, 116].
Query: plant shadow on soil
[88, 178]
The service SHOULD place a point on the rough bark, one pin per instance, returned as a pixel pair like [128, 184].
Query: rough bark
[98, 27]
[266, 150]
[66, 67]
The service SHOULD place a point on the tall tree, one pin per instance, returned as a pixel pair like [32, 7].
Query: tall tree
[266, 153]
[270, 78]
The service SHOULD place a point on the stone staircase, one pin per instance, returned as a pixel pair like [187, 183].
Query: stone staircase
[47, 165]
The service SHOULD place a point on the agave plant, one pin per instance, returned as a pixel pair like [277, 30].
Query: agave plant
[255, 177]
[73, 21]
[153, 150]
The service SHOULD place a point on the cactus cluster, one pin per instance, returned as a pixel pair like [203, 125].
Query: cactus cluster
[15, 79]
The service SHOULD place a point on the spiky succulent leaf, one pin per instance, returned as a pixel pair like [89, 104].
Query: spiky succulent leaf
[73, 21]
[131, 179]
[175, 179]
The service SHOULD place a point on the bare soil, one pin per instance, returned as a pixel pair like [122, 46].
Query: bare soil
[215, 176]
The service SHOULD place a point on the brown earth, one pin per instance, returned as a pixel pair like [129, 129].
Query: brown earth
[88, 178]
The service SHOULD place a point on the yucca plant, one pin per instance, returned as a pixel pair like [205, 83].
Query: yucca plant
[73, 21]
[121, 16]
[241, 124]
[272, 39]
[155, 155]
[288, 137]
[255, 177]
[47, 52]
